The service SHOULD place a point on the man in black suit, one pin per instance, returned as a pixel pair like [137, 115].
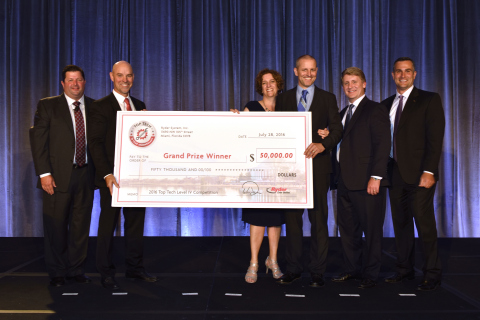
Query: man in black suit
[101, 141]
[66, 175]
[323, 106]
[361, 167]
[417, 126]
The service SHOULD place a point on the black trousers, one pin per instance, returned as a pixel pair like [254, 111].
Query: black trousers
[133, 230]
[361, 213]
[318, 217]
[409, 202]
[66, 226]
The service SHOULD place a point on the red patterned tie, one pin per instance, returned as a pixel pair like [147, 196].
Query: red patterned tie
[79, 135]
[127, 103]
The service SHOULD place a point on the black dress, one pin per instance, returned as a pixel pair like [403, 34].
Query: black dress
[262, 217]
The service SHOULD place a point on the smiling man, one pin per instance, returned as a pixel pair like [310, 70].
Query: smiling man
[306, 97]
[360, 170]
[101, 140]
[417, 128]
[66, 175]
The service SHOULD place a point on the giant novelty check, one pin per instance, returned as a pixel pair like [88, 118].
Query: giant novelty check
[213, 159]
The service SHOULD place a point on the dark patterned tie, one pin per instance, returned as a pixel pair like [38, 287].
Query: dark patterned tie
[302, 105]
[127, 103]
[349, 115]
[79, 135]
[398, 114]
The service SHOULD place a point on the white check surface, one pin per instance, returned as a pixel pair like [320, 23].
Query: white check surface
[213, 159]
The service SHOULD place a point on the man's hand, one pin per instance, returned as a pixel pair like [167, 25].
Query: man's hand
[323, 133]
[373, 186]
[235, 111]
[427, 180]
[110, 181]
[313, 149]
[48, 183]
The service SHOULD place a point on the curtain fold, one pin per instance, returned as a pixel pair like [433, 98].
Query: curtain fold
[203, 56]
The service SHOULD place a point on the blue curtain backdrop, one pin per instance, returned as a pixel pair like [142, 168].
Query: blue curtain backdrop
[204, 55]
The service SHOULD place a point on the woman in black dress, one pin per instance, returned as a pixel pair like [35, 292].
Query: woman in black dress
[267, 83]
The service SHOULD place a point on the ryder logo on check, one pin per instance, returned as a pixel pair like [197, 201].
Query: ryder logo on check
[277, 190]
[142, 133]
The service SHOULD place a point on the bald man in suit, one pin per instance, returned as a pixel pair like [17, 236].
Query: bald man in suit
[101, 140]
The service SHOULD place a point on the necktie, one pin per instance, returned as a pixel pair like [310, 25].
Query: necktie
[349, 115]
[302, 105]
[79, 135]
[398, 114]
[127, 103]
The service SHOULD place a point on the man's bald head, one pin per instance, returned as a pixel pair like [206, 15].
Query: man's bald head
[122, 77]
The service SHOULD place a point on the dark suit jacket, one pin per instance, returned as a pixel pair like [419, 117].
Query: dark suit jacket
[101, 134]
[52, 141]
[419, 134]
[324, 114]
[365, 146]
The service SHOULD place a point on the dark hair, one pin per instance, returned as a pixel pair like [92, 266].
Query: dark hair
[404, 59]
[305, 56]
[259, 78]
[70, 68]
[354, 71]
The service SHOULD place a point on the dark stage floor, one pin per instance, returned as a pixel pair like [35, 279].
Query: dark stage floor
[209, 268]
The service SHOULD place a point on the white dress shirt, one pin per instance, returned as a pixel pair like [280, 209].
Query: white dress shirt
[121, 101]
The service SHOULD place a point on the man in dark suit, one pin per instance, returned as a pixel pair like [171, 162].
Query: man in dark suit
[361, 167]
[323, 106]
[66, 175]
[417, 126]
[101, 142]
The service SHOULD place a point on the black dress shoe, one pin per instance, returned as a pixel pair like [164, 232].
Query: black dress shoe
[344, 277]
[429, 285]
[110, 283]
[397, 277]
[317, 280]
[288, 278]
[140, 275]
[57, 281]
[80, 278]
[367, 283]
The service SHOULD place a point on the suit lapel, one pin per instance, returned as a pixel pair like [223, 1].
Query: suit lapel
[292, 98]
[65, 112]
[316, 98]
[409, 107]
[114, 102]
[355, 116]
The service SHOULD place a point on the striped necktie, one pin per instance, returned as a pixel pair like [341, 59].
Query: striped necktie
[302, 105]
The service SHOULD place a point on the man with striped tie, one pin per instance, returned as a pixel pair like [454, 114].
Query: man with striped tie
[360, 165]
[66, 175]
[306, 97]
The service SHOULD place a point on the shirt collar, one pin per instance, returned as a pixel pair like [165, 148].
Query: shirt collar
[120, 98]
[310, 90]
[70, 101]
[357, 102]
[405, 95]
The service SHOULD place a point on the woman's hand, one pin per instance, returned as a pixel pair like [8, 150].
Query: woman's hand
[323, 133]
[235, 111]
